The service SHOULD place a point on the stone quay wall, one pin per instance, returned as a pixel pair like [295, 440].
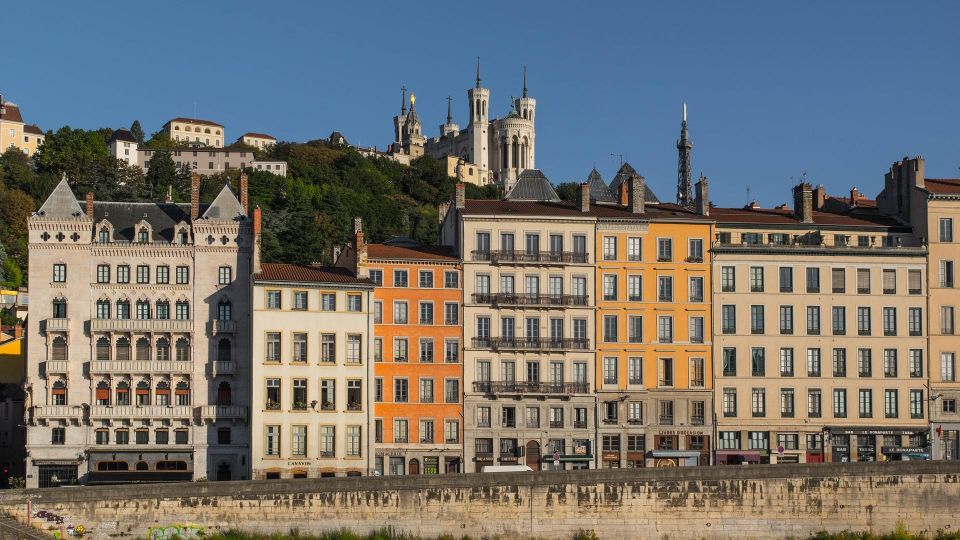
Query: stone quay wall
[746, 502]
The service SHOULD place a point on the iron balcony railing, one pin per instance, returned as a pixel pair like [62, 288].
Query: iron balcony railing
[536, 257]
[508, 299]
[521, 387]
[530, 343]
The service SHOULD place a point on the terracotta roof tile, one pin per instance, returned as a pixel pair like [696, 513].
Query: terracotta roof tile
[195, 121]
[11, 113]
[942, 185]
[258, 135]
[568, 209]
[311, 274]
[385, 251]
[32, 129]
[775, 216]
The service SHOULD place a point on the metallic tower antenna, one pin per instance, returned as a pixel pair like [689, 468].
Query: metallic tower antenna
[684, 168]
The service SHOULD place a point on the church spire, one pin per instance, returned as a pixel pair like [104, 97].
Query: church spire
[524, 81]
[403, 99]
[449, 113]
[478, 72]
[684, 168]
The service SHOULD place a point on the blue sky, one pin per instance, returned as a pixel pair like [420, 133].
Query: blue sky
[838, 90]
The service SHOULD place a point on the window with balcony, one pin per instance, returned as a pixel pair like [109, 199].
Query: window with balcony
[696, 289]
[664, 249]
[695, 250]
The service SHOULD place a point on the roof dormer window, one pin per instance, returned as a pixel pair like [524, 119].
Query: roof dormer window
[143, 235]
[104, 236]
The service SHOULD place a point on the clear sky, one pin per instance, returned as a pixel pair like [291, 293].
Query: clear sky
[838, 90]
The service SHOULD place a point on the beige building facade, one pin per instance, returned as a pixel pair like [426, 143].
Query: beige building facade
[312, 372]
[209, 161]
[195, 130]
[260, 141]
[14, 133]
[820, 334]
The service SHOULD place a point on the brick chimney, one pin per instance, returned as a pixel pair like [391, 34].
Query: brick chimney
[638, 188]
[194, 196]
[256, 239]
[854, 196]
[460, 196]
[803, 202]
[90, 204]
[583, 197]
[17, 331]
[244, 198]
[623, 194]
[702, 197]
[819, 197]
[359, 242]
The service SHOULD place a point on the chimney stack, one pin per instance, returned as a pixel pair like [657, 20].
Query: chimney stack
[854, 196]
[803, 202]
[256, 239]
[194, 196]
[90, 204]
[18, 330]
[460, 198]
[638, 188]
[623, 194]
[359, 243]
[702, 197]
[819, 197]
[244, 198]
[583, 193]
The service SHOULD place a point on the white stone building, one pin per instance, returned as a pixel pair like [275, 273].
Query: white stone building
[137, 352]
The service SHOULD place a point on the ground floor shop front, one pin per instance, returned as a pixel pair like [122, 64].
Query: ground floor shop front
[400, 461]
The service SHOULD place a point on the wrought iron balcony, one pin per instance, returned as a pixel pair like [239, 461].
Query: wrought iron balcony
[521, 387]
[213, 413]
[118, 412]
[156, 366]
[141, 325]
[531, 344]
[508, 299]
[530, 257]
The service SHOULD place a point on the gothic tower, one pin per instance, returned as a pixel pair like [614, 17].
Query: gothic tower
[400, 119]
[479, 123]
[527, 109]
[684, 168]
[412, 138]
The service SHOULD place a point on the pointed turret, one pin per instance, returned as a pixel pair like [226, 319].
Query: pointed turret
[599, 191]
[225, 207]
[684, 172]
[478, 72]
[623, 175]
[61, 204]
[532, 185]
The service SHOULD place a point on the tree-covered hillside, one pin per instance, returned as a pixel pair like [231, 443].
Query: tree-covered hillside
[305, 214]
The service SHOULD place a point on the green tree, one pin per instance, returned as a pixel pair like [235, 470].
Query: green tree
[163, 174]
[137, 132]
[81, 155]
[567, 191]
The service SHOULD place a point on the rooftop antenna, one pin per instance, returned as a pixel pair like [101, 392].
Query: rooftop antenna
[618, 155]
[749, 200]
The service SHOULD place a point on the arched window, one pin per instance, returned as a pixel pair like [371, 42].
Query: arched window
[123, 309]
[59, 349]
[143, 309]
[143, 235]
[514, 162]
[143, 393]
[163, 393]
[104, 237]
[224, 350]
[163, 350]
[182, 237]
[142, 466]
[103, 393]
[183, 393]
[504, 155]
[183, 350]
[224, 395]
[60, 308]
[123, 393]
[123, 350]
[103, 349]
[224, 311]
[58, 393]
[143, 350]
[103, 309]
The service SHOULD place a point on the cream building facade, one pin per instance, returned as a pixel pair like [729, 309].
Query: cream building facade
[820, 334]
[137, 357]
[312, 372]
[209, 161]
[260, 141]
[195, 130]
[15, 133]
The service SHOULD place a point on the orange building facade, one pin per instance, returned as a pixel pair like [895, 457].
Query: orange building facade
[417, 351]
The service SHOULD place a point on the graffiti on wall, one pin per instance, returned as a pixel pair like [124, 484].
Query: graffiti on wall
[176, 532]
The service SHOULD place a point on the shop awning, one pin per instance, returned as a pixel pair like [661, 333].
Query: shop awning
[675, 453]
[746, 455]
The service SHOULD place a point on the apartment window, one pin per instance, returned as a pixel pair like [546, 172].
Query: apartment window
[60, 273]
[863, 321]
[729, 358]
[426, 279]
[609, 248]
[508, 417]
[426, 312]
[400, 278]
[889, 321]
[451, 391]
[786, 279]
[757, 361]
[451, 354]
[728, 279]
[915, 360]
[864, 362]
[451, 431]
[813, 280]
[863, 281]
[728, 318]
[60, 309]
[328, 301]
[786, 362]
[666, 372]
[635, 370]
[814, 366]
[610, 370]
[756, 279]
[426, 390]
[451, 280]
[183, 275]
[891, 408]
[354, 348]
[695, 250]
[916, 403]
[664, 249]
[328, 440]
[378, 349]
[634, 249]
[483, 417]
[609, 287]
[665, 289]
[915, 321]
[610, 328]
[376, 276]
[946, 229]
[273, 394]
[756, 320]
[298, 441]
[786, 319]
[451, 313]
[730, 440]
[839, 403]
[947, 321]
[696, 289]
[946, 274]
[273, 299]
[635, 412]
[328, 347]
[839, 320]
[948, 367]
[696, 329]
[889, 362]
[729, 402]
[866, 403]
[813, 320]
[401, 389]
[839, 362]
[635, 329]
[532, 243]
[273, 346]
[400, 349]
[786, 403]
[399, 313]
[103, 273]
[697, 372]
[838, 280]
[889, 281]
[634, 288]
[949, 406]
[123, 273]
[378, 312]
[814, 403]
[163, 275]
[665, 329]
[914, 282]
[758, 402]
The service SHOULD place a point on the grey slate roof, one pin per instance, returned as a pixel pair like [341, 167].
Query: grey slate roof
[599, 191]
[61, 204]
[225, 207]
[625, 172]
[532, 185]
[122, 135]
[124, 216]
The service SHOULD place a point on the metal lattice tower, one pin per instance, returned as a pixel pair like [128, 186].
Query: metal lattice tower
[684, 168]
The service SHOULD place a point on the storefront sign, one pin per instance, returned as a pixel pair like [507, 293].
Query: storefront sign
[611, 455]
[580, 450]
[841, 448]
[903, 450]
[682, 432]
[391, 453]
[299, 463]
[860, 431]
[483, 459]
